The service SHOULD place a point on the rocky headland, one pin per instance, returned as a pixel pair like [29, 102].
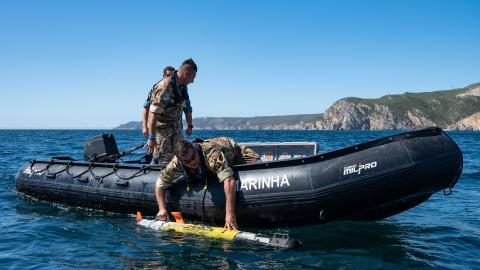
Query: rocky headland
[456, 109]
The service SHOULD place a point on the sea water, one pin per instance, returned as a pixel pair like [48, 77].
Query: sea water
[443, 232]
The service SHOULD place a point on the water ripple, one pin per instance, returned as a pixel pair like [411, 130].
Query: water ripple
[442, 233]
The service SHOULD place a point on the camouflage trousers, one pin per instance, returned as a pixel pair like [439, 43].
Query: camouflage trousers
[235, 154]
[248, 156]
[168, 135]
[242, 154]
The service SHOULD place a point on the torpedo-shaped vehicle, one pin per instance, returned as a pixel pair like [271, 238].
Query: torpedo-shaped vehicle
[294, 185]
[278, 240]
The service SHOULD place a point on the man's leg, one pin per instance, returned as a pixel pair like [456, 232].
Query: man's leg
[177, 136]
[165, 144]
[155, 156]
[248, 155]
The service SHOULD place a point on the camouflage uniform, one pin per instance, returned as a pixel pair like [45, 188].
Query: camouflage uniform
[220, 154]
[186, 109]
[167, 103]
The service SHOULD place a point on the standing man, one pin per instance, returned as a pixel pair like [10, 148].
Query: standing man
[167, 72]
[169, 98]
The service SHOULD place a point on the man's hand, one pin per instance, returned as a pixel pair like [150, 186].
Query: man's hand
[151, 145]
[162, 215]
[189, 131]
[230, 222]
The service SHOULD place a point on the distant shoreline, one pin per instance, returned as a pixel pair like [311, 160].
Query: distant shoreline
[455, 109]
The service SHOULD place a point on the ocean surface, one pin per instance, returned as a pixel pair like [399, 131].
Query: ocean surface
[442, 233]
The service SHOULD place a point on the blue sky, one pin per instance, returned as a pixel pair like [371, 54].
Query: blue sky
[90, 64]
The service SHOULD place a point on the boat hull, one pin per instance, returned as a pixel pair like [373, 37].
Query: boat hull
[368, 181]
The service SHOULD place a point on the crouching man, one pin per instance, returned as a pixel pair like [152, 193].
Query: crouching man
[192, 160]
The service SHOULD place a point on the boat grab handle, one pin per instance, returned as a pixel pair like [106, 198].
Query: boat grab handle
[122, 183]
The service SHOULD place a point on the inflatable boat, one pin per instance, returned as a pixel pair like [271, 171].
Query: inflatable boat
[293, 186]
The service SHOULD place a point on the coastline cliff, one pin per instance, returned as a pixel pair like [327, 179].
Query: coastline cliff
[456, 109]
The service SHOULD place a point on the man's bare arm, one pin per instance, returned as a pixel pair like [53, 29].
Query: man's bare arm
[151, 143]
[162, 209]
[145, 113]
[188, 117]
[230, 197]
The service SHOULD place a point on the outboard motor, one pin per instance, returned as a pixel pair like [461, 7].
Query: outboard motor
[101, 148]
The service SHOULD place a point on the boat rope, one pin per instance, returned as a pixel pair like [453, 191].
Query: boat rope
[39, 171]
[59, 171]
[91, 167]
[100, 177]
[205, 188]
[82, 173]
[138, 173]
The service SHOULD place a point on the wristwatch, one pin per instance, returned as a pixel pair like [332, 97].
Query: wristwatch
[190, 126]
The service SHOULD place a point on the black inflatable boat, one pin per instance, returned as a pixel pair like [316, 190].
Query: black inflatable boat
[368, 181]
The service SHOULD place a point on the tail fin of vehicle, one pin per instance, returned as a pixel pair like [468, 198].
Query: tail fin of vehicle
[178, 217]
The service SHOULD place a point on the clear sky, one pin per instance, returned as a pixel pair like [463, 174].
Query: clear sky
[90, 64]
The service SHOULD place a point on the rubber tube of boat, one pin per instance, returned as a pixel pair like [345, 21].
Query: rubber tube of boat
[277, 240]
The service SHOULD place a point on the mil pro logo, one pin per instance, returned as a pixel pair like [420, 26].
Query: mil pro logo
[358, 168]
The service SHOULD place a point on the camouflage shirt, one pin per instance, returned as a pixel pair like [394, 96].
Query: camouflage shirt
[164, 103]
[184, 89]
[220, 154]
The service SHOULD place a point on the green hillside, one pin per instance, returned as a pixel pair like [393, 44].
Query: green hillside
[443, 107]
[260, 122]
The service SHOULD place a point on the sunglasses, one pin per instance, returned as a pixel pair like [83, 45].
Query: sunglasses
[191, 159]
